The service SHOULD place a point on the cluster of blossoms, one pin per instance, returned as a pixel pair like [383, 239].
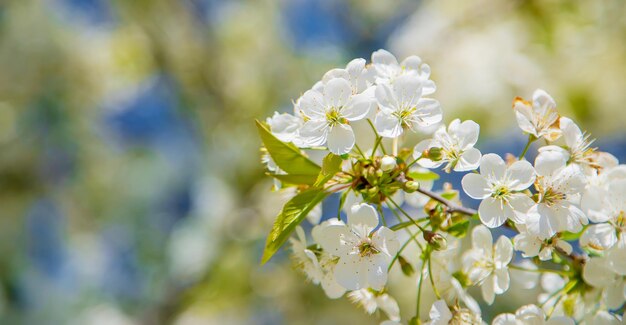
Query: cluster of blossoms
[564, 212]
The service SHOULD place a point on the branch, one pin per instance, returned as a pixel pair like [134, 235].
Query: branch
[451, 206]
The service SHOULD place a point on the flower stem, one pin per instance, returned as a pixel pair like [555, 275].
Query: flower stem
[382, 215]
[451, 206]
[515, 267]
[378, 141]
[419, 290]
[430, 276]
[404, 212]
[531, 139]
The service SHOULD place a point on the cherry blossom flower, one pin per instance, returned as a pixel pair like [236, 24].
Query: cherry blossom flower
[539, 118]
[456, 144]
[403, 107]
[364, 254]
[557, 186]
[499, 187]
[386, 69]
[371, 301]
[441, 314]
[328, 114]
[530, 315]
[486, 264]
[599, 273]
[606, 207]
[318, 271]
[532, 245]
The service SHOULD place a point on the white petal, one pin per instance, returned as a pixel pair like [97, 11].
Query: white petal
[521, 204]
[522, 175]
[505, 319]
[314, 132]
[312, 105]
[440, 312]
[488, 289]
[377, 271]
[548, 162]
[491, 212]
[358, 108]
[387, 125]
[407, 90]
[476, 186]
[330, 238]
[501, 281]
[467, 132]
[340, 139]
[614, 295]
[481, 238]
[332, 289]
[363, 215]
[595, 272]
[389, 306]
[470, 160]
[337, 91]
[385, 239]
[383, 57]
[503, 252]
[491, 165]
[428, 113]
[599, 236]
[351, 272]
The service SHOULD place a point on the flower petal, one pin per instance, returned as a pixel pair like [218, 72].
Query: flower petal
[476, 186]
[312, 105]
[491, 212]
[481, 238]
[363, 215]
[340, 139]
[337, 91]
[522, 175]
[492, 166]
[470, 160]
[351, 272]
[387, 125]
[503, 252]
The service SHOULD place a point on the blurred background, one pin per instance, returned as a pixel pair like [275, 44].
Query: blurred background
[131, 190]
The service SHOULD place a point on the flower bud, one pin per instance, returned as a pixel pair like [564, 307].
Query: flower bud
[433, 154]
[406, 267]
[411, 186]
[388, 163]
[437, 241]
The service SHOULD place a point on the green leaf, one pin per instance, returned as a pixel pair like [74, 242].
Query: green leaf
[293, 179]
[450, 195]
[423, 175]
[331, 165]
[459, 229]
[288, 157]
[569, 236]
[292, 214]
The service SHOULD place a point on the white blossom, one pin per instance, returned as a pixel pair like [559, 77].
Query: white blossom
[532, 245]
[328, 115]
[371, 301]
[557, 186]
[530, 315]
[456, 143]
[500, 188]
[403, 107]
[607, 207]
[364, 254]
[441, 314]
[486, 264]
[539, 118]
[599, 273]
[386, 69]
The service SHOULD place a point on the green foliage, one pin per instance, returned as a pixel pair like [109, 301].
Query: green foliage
[459, 229]
[292, 214]
[406, 266]
[570, 236]
[423, 175]
[289, 158]
[331, 165]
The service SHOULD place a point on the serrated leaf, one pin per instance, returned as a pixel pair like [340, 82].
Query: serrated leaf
[291, 215]
[288, 157]
[331, 165]
[426, 175]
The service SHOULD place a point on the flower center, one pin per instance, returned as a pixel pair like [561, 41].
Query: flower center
[501, 192]
[552, 197]
[404, 115]
[333, 117]
[367, 249]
